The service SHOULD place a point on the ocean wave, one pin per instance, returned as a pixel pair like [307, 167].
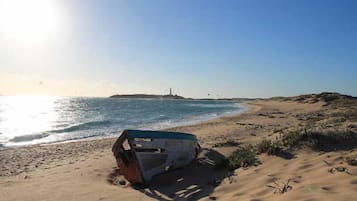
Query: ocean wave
[82, 126]
[205, 105]
[26, 138]
[189, 120]
[85, 118]
[78, 127]
[80, 137]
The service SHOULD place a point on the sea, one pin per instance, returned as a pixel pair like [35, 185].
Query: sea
[29, 120]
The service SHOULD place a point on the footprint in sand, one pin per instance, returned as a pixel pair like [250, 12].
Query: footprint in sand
[255, 199]
[263, 192]
[271, 179]
[328, 189]
[238, 194]
[354, 181]
[305, 166]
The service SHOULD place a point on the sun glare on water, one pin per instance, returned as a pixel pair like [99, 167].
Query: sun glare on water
[29, 20]
[26, 116]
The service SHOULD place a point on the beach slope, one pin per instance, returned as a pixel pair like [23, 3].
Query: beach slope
[86, 170]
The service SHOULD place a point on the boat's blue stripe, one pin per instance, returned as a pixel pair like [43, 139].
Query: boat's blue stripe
[160, 134]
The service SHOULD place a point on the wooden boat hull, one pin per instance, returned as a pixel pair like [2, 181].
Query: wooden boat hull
[141, 155]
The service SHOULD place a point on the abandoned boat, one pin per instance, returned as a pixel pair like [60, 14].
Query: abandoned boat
[142, 154]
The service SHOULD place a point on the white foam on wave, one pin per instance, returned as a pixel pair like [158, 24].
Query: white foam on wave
[104, 132]
[192, 120]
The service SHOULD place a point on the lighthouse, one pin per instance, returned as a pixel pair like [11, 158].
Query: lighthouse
[170, 92]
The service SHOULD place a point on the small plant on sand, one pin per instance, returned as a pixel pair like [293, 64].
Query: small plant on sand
[242, 157]
[351, 160]
[263, 146]
[269, 147]
[228, 143]
[281, 188]
[276, 149]
[293, 138]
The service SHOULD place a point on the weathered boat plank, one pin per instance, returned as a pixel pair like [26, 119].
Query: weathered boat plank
[141, 155]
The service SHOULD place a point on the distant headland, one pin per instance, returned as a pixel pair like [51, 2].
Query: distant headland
[167, 96]
[147, 96]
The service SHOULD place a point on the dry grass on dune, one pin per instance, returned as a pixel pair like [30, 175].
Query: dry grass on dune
[331, 129]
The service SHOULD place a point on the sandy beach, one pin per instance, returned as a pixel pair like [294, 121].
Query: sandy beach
[86, 170]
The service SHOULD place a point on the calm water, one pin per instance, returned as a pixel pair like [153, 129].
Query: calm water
[33, 120]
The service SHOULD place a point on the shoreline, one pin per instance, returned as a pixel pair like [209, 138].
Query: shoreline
[56, 149]
[86, 170]
[196, 120]
[61, 149]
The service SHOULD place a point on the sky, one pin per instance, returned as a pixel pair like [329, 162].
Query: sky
[199, 48]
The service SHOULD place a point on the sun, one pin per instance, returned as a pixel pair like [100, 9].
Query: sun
[29, 20]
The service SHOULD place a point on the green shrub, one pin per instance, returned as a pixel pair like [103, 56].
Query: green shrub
[342, 116]
[263, 146]
[269, 147]
[242, 157]
[291, 139]
[325, 141]
[275, 149]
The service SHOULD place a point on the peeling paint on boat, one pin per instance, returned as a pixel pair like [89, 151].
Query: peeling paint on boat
[140, 155]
